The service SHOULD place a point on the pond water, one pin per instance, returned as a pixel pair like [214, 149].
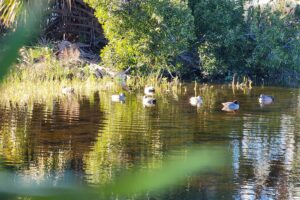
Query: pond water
[92, 140]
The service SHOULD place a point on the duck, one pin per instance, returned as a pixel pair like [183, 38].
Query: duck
[149, 101]
[149, 90]
[265, 99]
[67, 90]
[118, 97]
[231, 106]
[196, 101]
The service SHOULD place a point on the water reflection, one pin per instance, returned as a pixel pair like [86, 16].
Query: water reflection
[264, 164]
[96, 140]
[39, 141]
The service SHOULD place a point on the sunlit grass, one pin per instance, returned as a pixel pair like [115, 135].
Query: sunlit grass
[26, 92]
[39, 78]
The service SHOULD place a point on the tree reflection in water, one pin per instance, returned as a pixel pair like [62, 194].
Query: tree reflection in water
[95, 140]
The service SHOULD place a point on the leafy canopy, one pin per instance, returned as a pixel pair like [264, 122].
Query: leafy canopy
[144, 33]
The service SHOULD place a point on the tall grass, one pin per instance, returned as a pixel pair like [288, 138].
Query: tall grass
[39, 77]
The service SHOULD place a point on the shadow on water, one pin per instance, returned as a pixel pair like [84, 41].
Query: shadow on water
[95, 141]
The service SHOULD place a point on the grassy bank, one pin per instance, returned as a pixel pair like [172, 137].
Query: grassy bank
[40, 75]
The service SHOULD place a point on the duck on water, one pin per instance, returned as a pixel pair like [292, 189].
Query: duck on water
[231, 106]
[196, 101]
[265, 99]
[118, 97]
[149, 90]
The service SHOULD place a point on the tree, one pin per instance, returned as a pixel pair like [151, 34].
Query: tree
[275, 40]
[144, 33]
[219, 29]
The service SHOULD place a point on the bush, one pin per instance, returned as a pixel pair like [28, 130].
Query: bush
[219, 27]
[255, 42]
[275, 43]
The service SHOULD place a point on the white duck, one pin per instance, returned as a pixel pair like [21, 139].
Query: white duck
[196, 101]
[149, 90]
[118, 97]
[265, 99]
[67, 90]
[231, 106]
[149, 101]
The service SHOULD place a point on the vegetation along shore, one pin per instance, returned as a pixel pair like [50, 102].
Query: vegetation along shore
[125, 45]
[111, 99]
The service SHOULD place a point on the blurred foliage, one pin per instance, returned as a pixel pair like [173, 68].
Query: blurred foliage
[144, 33]
[170, 174]
[24, 32]
[128, 185]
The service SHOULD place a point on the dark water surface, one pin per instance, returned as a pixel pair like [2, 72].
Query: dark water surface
[92, 140]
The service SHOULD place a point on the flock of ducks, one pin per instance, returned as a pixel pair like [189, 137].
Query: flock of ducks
[149, 100]
[233, 105]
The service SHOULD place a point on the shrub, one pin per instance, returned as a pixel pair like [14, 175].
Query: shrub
[257, 42]
[275, 42]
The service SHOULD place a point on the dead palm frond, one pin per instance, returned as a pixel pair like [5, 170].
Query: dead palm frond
[65, 19]
[10, 10]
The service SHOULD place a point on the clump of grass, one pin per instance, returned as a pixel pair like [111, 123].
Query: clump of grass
[27, 92]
